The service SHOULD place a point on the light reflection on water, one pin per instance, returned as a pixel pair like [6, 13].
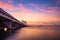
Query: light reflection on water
[36, 33]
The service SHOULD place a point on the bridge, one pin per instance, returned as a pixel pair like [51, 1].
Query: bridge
[8, 21]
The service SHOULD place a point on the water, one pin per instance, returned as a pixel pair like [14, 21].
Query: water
[35, 33]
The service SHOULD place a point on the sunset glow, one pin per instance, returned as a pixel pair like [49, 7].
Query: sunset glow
[33, 10]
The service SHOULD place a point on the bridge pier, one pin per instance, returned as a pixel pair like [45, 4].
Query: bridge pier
[10, 24]
[7, 23]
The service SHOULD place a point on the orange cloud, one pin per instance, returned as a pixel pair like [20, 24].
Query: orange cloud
[34, 17]
[7, 6]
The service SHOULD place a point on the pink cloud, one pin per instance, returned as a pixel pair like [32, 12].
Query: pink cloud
[51, 10]
[54, 9]
[48, 10]
[7, 6]
[23, 8]
[34, 5]
[7, 1]
[10, 1]
[11, 7]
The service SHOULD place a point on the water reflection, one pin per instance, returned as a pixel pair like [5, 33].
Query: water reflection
[36, 33]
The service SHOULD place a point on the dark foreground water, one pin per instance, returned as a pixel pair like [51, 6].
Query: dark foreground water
[35, 33]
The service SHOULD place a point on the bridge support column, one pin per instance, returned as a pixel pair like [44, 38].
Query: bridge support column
[8, 24]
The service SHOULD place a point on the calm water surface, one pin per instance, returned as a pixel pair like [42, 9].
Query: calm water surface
[36, 33]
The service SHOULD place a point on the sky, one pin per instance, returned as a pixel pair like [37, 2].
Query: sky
[33, 10]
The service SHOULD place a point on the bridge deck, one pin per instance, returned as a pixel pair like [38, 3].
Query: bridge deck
[8, 16]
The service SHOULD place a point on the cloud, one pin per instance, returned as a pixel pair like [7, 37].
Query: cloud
[7, 1]
[23, 8]
[49, 10]
[30, 16]
[34, 17]
[57, 2]
[7, 6]
[10, 1]
[20, 7]
[12, 7]
[22, 12]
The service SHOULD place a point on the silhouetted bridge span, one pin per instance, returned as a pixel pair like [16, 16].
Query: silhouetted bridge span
[8, 21]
